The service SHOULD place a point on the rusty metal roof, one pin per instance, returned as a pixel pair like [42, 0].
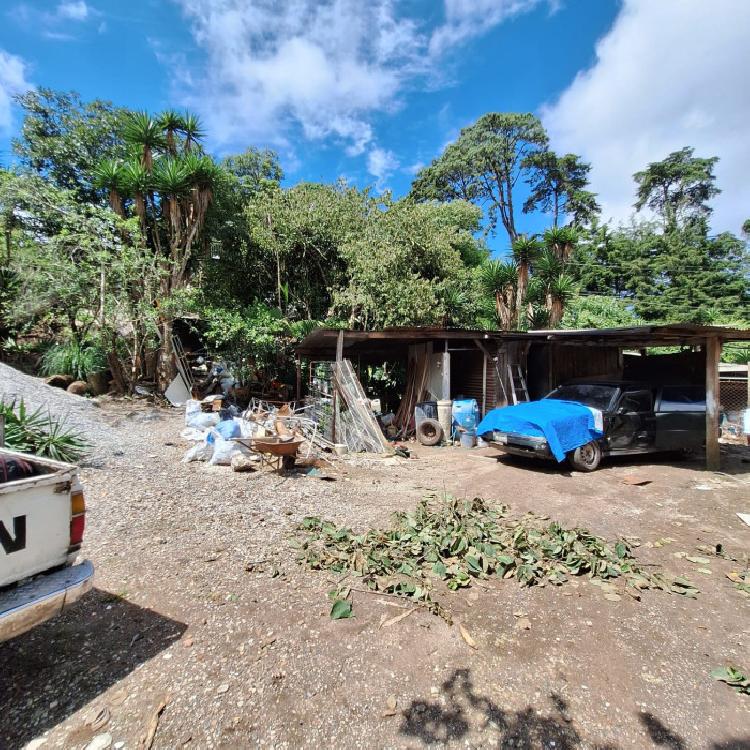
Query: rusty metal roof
[322, 342]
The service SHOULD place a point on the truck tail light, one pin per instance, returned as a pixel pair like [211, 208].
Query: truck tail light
[77, 520]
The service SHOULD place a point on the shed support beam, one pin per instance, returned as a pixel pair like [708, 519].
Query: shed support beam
[713, 355]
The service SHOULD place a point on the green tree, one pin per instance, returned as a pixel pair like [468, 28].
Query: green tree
[484, 165]
[558, 187]
[677, 188]
[167, 182]
[64, 138]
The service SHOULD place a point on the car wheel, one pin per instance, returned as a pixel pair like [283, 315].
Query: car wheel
[429, 432]
[586, 457]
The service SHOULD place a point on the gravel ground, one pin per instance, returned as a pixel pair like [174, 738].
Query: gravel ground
[201, 615]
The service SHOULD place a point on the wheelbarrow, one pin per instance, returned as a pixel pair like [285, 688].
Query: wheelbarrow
[273, 451]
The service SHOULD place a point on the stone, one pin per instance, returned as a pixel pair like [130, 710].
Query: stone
[59, 381]
[241, 462]
[78, 388]
[100, 742]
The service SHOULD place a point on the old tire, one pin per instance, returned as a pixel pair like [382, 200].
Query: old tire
[586, 457]
[429, 432]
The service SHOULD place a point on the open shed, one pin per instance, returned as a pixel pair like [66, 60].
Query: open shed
[481, 364]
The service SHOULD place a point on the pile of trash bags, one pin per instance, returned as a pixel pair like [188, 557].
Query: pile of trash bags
[214, 433]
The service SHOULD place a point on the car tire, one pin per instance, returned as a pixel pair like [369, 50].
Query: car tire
[429, 432]
[586, 457]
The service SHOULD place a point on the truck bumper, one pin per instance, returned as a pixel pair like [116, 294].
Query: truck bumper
[43, 597]
[521, 445]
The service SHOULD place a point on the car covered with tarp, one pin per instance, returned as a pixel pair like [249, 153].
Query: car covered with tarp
[585, 421]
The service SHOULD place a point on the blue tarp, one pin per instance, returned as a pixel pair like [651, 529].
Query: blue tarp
[565, 424]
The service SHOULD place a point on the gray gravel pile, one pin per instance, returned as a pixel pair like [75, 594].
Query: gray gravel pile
[76, 412]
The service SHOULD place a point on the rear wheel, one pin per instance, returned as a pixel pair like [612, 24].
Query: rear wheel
[586, 457]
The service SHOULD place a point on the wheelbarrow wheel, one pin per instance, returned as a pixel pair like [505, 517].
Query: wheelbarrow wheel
[287, 463]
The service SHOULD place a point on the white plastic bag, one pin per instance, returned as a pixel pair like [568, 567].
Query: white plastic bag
[192, 407]
[224, 450]
[202, 451]
[192, 433]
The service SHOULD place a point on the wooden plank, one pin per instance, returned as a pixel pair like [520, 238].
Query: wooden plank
[713, 355]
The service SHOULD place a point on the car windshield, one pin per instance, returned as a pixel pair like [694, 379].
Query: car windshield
[597, 396]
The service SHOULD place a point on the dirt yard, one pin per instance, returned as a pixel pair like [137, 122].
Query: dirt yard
[201, 614]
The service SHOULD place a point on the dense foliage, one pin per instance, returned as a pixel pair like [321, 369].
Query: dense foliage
[117, 223]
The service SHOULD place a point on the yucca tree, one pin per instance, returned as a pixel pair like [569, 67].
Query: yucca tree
[192, 130]
[525, 250]
[171, 182]
[499, 279]
[145, 133]
[561, 240]
[561, 290]
[171, 122]
[139, 183]
[110, 176]
[454, 303]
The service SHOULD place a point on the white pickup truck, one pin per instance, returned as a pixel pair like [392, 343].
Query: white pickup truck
[42, 518]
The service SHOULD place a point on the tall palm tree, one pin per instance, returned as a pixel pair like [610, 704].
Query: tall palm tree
[110, 176]
[525, 250]
[500, 280]
[172, 180]
[145, 133]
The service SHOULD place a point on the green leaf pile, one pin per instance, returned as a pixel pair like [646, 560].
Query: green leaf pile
[455, 541]
[734, 677]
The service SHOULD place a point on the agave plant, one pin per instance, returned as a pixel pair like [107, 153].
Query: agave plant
[144, 132]
[547, 265]
[39, 433]
[500, 279]
[139, 182]
[454, 303]
[537, 316]
[110, 175]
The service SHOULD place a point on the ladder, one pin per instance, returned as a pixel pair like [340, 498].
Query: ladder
[518, 388]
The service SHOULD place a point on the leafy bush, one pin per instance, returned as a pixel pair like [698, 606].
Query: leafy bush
[39, 433]
[74, 358]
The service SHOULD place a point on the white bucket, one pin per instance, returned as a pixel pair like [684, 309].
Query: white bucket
[445, 417]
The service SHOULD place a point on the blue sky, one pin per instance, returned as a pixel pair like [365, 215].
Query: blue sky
[372, 90]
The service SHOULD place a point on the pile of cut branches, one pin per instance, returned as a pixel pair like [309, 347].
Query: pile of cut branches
[456, 541]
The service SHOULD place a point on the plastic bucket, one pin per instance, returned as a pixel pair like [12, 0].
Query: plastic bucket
[445, 417]
[468, 439]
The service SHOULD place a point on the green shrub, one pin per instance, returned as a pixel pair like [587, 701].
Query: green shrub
[72, 358]
[39, 433]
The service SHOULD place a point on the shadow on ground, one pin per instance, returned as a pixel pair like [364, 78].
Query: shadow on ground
[463, 710]
[55, 668]
[662, 736]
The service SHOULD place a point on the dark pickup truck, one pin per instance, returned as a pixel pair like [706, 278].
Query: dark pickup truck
[636, 418]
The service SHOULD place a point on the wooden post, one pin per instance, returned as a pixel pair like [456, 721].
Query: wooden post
[298, 366]
[335, 401]
[713, 355]
[484, 385]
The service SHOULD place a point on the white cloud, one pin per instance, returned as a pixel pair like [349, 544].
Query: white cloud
[668, 74]
[381, 164]
[74, 10]
[465, 19]
[12, 81]
[325, 67]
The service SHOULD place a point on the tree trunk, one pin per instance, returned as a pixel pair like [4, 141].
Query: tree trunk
[166, 369]
[115, 366]
[523, 285]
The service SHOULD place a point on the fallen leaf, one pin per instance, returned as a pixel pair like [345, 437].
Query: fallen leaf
[341, 610]
[524, 624]
[467, 636]
[611, 597]
[699, 560]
